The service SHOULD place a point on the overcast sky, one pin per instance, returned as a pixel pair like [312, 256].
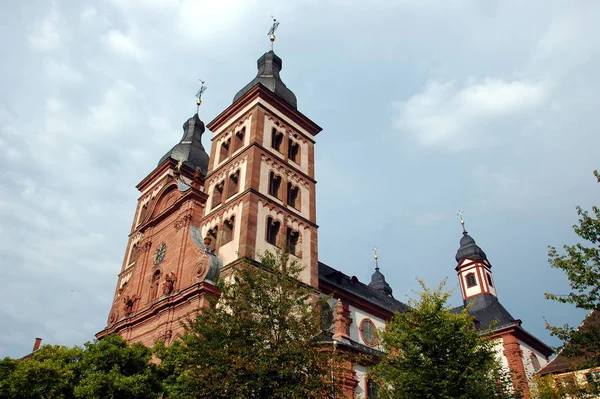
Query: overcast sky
[427, 107]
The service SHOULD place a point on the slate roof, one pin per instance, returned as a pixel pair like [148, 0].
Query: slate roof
[469, 249]
[190, 149]
[355, 287]
[486, 309]
[269, 65]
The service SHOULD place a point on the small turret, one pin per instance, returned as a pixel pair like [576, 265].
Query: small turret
[190, 150]
[378, 282]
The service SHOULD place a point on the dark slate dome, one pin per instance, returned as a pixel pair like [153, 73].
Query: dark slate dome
[469, 250]
[190, 149]
[378, 283]
[269, 66]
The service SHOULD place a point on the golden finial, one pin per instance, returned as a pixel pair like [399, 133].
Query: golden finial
[179, 165]
[199, 95]
[376, 256]
[271, 33]
[462, 221]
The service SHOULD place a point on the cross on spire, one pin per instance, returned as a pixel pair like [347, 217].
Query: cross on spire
[199, 94]
[462, 221]
[376, 256]
[271, 32]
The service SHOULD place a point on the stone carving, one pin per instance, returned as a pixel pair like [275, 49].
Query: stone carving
[164, 336]
[128, 302]
[114, 316]
[145, 246]
[183, 221]
[169, 284]
[207, 262]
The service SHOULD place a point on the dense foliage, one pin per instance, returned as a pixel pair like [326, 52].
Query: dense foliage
[103, 369]
[569, 386]
[262, 339]
[434, 352]
[581, 264]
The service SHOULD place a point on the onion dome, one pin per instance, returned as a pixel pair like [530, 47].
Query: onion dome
[378, 283]
[269, 65]
[190, 149]
[469, 250]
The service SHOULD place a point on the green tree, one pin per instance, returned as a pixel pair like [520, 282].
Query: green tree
[553, 387]
[52, 372]
[433, 352]
[110, 368]
[262, 339]
[581, 264]
[103, 369]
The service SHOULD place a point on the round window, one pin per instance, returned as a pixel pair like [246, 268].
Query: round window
[368, 332]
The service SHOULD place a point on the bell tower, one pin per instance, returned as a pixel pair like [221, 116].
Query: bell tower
[260, 184]
[474, 269]
[169, 269]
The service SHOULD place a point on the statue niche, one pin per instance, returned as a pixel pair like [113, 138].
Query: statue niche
[154, 285]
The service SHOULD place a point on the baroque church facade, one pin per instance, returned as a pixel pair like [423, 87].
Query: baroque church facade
[199, 215]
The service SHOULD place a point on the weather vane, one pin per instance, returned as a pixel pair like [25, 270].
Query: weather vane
[199, 94]
[376, 256]
[462, 221]
[271, 33]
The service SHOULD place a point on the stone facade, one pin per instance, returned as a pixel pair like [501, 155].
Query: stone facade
[259, 194]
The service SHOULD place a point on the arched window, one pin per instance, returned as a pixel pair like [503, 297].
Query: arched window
[372, 389]
[489, 279]
[272, 230]
[274, 185]
[224, 152]
[276, 139]
[143, 212]
[227, 234]
[293, 196]
[238, 140]
[293, 151]
[217, 195]
[134, 254]
[326, 317]
[534, 362]
[155, 284]
[471, 282]
[234, 183]
[292, 239]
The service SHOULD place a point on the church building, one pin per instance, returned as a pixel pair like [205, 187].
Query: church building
[198, 215]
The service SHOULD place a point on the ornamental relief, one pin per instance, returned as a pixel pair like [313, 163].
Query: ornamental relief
[164, 336]
[216, 219]
[182, 221]
[283, 126]
[237, 126]
[281, 169]
[228, 170]
[145, 246]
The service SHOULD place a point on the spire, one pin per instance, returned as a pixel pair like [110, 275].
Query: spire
[468, 248]
[269, 66]
[190, 151]
[378, 282]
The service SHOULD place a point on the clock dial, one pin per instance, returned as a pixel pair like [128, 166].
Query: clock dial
[161, 251]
